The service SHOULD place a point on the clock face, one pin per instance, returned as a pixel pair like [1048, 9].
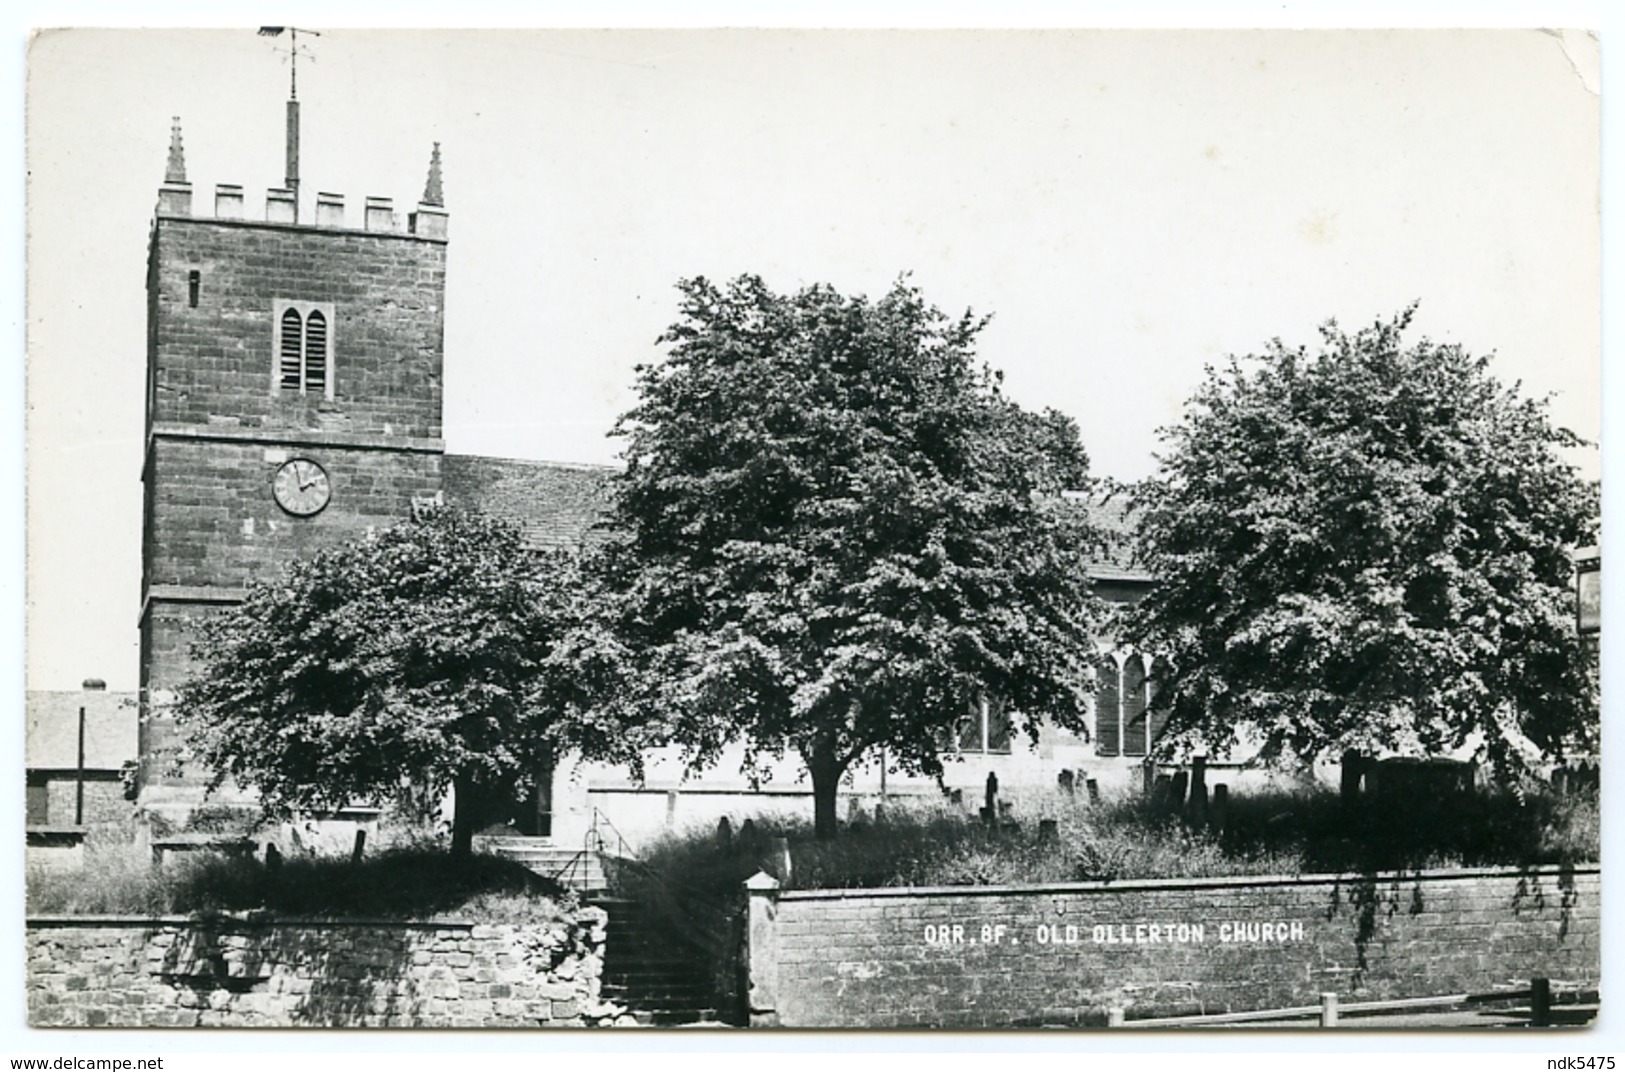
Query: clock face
[301, 487]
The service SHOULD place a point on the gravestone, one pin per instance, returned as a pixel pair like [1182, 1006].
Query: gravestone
[1162, 793]
[1419, 781]
[1196, 806]
[778, 859]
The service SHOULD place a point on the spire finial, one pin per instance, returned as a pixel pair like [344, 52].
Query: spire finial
[175, 170]
[432, 194]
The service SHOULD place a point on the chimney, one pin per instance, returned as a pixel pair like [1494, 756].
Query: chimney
[380, 214]
[175, 195]
[280, 206]
[228, 201]
[329, 210]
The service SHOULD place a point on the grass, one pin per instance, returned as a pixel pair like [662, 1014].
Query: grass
[1125, 838]
[406, 883]
[1474, 830]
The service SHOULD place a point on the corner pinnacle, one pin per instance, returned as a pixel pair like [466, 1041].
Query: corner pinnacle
[432, 194]
[175, 170]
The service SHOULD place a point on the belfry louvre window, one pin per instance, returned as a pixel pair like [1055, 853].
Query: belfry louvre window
[304, 349]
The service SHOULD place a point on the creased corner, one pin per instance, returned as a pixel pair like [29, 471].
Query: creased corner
[1582, 50]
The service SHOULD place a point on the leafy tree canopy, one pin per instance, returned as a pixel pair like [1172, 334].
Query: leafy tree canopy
[1367, 548]
[442, 652]
[834, 534]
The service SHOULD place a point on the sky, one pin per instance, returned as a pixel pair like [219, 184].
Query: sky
[1129, 206]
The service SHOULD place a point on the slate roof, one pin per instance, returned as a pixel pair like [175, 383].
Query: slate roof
[1114, 518]
[556, 503]
[52, 719]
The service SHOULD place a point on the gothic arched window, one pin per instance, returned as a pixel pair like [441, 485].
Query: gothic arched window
[1134, 707]
[1108, 707]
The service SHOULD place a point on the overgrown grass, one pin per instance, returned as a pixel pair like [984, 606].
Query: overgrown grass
[1469, 830]
[397, 884]
[1272, 833]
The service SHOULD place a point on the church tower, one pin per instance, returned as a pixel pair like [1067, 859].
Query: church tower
[293, 400]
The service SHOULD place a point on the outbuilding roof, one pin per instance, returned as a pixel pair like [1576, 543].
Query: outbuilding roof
[52, 726]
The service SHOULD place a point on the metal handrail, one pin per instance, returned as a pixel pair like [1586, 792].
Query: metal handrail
[569, 868]
[623, 846]
[593, 843]
[1330, 1009]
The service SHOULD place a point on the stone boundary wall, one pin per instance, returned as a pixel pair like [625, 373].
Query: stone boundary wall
[233, 971]
[1062, 954]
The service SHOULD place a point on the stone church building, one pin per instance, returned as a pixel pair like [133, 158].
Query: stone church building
[294, 400]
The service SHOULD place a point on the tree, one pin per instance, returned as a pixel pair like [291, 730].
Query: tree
[1366, 548]
[442, 653]
[834, 535]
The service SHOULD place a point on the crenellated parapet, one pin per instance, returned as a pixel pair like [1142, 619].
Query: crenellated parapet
[281, 204]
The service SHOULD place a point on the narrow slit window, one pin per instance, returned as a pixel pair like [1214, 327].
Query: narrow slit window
[194, 282]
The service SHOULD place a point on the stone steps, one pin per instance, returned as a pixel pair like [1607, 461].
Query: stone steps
[571, 867]
[654, 972]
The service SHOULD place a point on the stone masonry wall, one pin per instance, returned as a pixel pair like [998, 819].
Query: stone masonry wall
[213, 361]
[212, 526]
[215, 522]
[235, 972]
[1030, 956]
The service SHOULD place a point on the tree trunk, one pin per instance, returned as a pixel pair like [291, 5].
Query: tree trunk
[826, 773]
[1355, 763]
[466, 808]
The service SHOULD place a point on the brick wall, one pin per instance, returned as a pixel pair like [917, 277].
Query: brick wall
[105, 804]
[1028, 956]
[177, 972]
